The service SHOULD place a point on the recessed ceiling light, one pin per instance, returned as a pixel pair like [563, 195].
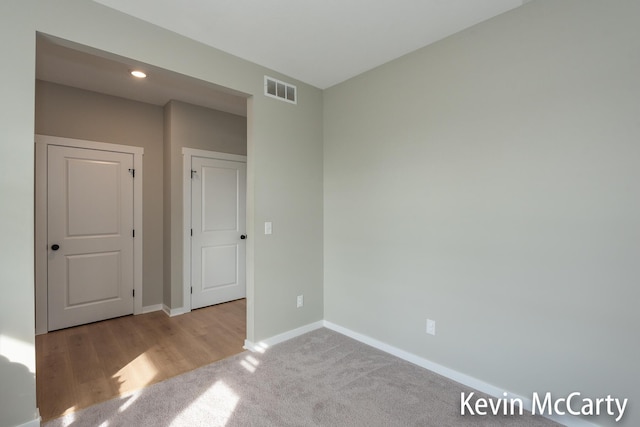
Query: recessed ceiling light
[139, 74]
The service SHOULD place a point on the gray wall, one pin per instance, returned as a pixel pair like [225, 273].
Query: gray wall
[168, 174]
[193, 127]
[284, 151]
[491, 182]
[17, 320]
[75, 113]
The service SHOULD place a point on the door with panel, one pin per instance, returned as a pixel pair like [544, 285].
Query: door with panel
[218, 221]
[90, 235]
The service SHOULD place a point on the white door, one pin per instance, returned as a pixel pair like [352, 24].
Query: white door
[90, 241]
[218, 244]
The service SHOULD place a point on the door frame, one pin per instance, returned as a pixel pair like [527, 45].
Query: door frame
[187, 155]
[42, 143]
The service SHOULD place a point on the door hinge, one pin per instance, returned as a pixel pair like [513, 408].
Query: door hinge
[192, 289]
[133, 233]
[133, 292]
[192, 231]
[192, 172]
[132, 172]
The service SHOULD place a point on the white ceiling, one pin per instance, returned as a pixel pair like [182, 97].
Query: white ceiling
[320, 42]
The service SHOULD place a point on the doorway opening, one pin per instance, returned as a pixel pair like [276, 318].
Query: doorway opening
[88, 95]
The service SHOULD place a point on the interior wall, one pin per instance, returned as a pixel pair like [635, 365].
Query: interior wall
[17, 318]
[79, 114]
[284, 167]
[197, 127]
[167, 212]
[292, 259]
[490, 182]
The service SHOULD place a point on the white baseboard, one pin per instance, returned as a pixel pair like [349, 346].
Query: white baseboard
[173, 311]
[152, 308]
[262, 345]
[33, 423]
[469, 381]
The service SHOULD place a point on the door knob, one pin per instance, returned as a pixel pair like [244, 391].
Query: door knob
[244, 236]
[55, 247]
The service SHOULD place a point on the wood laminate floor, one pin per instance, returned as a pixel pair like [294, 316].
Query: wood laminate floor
[81, 366]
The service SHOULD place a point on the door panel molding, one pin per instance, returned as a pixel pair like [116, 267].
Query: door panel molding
[42, 142]
[187, 158]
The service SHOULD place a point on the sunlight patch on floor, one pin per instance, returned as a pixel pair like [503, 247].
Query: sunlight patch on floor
[249, 363]
[261, 347]
[69, 412]
[69, 418]
[130, 400]
[218, 402]
[142, 369]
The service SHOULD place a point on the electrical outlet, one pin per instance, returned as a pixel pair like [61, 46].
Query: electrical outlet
[431, 327]
[268, 227]
[300, 301]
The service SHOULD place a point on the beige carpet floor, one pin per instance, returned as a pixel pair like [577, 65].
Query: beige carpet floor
[318, 379]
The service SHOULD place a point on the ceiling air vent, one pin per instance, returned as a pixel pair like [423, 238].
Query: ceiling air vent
[280, 90]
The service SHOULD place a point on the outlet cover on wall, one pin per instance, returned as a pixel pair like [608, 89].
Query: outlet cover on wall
[268, 227]
[300, 301]
[431, 327]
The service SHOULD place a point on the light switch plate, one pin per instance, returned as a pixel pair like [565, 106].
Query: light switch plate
[268, 227]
